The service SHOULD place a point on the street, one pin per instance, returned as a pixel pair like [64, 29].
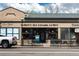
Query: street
[29, 51]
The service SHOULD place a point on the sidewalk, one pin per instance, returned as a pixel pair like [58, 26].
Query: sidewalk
[76, 47]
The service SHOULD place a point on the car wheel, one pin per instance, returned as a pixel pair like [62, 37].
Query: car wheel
[5, 44]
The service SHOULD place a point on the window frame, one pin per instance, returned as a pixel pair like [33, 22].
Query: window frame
[12, 33]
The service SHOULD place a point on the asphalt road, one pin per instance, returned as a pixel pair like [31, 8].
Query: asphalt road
[29, 51]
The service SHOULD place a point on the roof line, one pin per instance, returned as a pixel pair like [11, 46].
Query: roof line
[13, 8]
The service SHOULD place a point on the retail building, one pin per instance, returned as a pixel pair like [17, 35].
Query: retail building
[40, 29]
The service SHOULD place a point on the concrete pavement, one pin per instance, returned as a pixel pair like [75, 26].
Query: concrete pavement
[30, 51]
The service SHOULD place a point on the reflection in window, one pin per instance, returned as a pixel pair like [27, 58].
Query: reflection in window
[3, 31]
[64, 33]
[67, 33]
[15, 30]
[9, 30]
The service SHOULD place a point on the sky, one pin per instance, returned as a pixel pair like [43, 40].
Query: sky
[39, 1]
[43, 7]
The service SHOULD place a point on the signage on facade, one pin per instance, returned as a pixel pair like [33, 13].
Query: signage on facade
[51, 25]
[6, 24]
[67, 25]
[39, 25]
[75, 24]
[10, 25]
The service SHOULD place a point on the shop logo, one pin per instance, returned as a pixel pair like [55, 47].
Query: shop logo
[75, 24]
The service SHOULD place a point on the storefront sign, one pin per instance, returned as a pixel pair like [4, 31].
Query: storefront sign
[76, 25]
[51, 25]
[6, 24]
[10, 25]
[38, 25]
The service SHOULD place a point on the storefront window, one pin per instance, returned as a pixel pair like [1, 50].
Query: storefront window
[37, 35]
[10, 32]
[64, 33]
[67, 33]
[53, 36]
[3, 31]
[27, 34]
[15, 30]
